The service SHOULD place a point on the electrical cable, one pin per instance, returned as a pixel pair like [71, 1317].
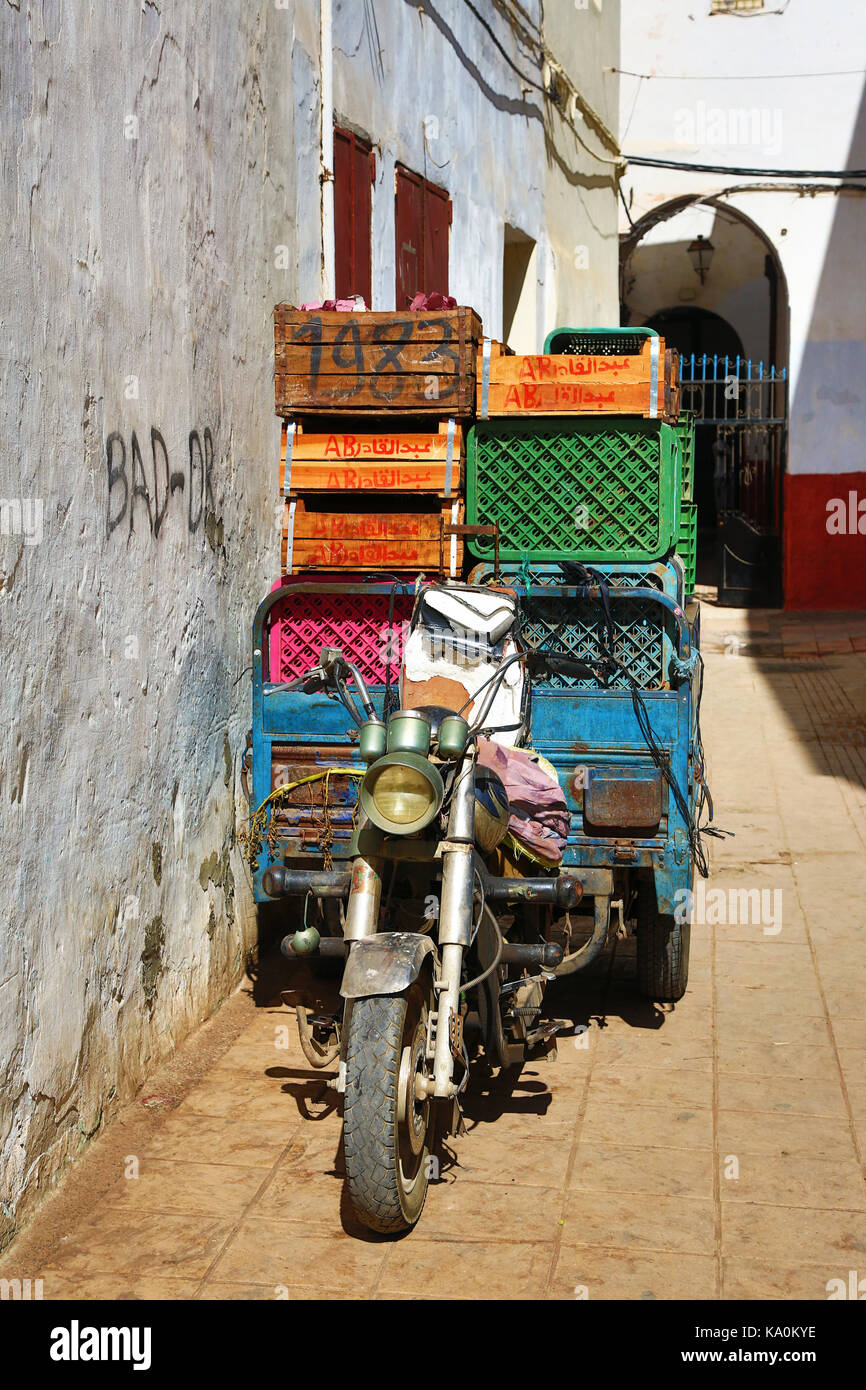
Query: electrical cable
[653, 163]
[500, 946]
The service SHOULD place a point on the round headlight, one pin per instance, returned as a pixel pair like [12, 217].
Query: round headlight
[401, 793]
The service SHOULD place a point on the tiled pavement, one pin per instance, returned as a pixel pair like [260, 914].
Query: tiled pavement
[709, 1150]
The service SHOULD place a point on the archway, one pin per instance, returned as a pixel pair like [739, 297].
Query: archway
[728, 318]
[697, 331]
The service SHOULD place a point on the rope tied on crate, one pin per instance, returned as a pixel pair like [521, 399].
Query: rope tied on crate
[261, 824]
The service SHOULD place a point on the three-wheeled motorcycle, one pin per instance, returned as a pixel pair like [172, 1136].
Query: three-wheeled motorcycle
[453, 801]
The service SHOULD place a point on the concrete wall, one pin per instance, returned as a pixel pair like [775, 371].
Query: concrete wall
[706, 97]
[459, 97]
[148, 181]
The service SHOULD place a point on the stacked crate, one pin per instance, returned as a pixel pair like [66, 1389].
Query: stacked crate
[580, 454]
[371, 469]
[371, 474]
[687, 536]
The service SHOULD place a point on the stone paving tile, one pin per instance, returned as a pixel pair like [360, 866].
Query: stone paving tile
[767, 1280]
[271, 1252]
[471, 1211]
[832, 1181]
[494, 1155]
[494, 1269]
[59, 1284]
[627, 1221]
[584, 1273]
[647, 1126]
[137, 1245]
[782, 1095]
[212, 1189]
[191, 1138]
[754, 1231]
[604, 1168]
[668, 1089]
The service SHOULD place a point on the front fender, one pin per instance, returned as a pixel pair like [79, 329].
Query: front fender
[384, 964]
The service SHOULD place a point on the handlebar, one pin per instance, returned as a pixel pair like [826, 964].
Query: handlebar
[331, 672]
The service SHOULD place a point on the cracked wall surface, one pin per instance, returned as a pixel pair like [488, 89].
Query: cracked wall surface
[148, 171]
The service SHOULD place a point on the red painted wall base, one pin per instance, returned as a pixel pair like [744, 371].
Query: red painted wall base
[824, 570]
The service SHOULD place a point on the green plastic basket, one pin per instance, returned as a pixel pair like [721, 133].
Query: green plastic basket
[574, 488]
[687, 542]
[684, 428]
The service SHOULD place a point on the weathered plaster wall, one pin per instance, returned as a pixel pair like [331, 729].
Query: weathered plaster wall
[148, 181]
[455, 92]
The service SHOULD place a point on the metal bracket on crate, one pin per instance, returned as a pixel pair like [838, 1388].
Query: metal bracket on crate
[453, 529]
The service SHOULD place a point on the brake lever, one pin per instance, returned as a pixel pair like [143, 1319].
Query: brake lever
[312, 681]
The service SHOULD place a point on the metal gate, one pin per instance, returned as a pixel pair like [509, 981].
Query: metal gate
[741, 412]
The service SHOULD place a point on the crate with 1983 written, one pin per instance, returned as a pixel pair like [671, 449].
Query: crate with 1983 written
[413, 363]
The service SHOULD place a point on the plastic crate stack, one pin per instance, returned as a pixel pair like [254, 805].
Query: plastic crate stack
[687, 537]
[582, 454]
[371, 475]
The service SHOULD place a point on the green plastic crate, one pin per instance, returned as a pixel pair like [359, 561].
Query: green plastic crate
[684, 429]
[687, 542]
[574, 488]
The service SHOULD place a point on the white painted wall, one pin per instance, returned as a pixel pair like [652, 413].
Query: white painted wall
[148, 178]
[721, 90]
[457, 99]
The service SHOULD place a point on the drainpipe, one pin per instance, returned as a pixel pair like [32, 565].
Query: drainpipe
[326, 172]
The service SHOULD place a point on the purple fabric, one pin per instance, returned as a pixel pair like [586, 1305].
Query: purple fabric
[539, 814]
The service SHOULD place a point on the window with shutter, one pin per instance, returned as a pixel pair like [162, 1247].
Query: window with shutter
[354, 170]
[423, 221]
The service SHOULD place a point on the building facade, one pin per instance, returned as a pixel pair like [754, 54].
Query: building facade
[769, 98]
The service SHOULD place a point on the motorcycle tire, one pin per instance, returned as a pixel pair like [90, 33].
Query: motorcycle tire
[662, 950]
[387, 1159]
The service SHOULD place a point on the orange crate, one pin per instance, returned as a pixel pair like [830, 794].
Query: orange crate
[376, 537]
[373, 460]
[566, 384]
[409, 363]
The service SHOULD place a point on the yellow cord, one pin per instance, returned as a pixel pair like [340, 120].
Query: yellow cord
[250, 836]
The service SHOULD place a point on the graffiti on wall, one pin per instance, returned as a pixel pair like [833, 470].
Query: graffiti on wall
[141, 491]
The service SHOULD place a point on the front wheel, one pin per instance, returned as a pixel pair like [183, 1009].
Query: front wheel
[387, 1129]
[662, 950]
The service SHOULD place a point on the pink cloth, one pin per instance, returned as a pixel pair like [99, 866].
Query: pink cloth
[342, 306]
[434, 300]
[539, 816]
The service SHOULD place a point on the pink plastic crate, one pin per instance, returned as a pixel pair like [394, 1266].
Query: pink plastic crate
[356, 623]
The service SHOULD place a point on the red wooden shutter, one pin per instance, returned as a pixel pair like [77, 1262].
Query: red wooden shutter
[409, 236]
[437, 221]
[353, 216]
[423, 217]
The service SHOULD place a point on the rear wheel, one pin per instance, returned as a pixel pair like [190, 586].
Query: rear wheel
[387, 1129]
[662, 950]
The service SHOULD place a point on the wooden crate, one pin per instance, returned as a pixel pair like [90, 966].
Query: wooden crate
[568, 384]
[411, 363]
[316, 535]
[372, 459]
[673, 397]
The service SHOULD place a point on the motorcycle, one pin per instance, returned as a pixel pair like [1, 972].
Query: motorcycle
[446, 944]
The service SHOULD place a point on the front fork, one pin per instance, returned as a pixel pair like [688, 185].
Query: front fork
[455, 918]
[455, 922]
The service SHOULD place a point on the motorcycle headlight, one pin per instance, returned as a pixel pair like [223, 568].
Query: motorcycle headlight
[401, 793]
